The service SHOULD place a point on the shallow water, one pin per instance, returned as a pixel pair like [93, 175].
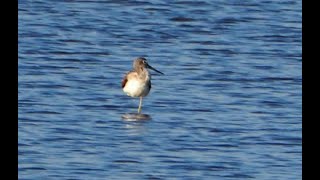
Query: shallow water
[228, 107]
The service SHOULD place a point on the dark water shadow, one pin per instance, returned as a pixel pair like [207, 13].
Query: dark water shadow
[136, 117]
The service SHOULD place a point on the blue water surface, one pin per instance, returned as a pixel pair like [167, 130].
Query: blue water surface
[228, 107]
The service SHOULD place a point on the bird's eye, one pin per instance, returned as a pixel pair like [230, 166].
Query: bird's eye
[144, 62]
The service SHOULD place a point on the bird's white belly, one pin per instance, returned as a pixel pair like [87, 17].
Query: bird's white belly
[135, 88]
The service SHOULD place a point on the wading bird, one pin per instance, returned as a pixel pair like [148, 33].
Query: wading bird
[137, 83]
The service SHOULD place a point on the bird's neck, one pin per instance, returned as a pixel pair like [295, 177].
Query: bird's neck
[144, 73]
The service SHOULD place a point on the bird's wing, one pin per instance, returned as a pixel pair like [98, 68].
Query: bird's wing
[127, 76]
[124, 81]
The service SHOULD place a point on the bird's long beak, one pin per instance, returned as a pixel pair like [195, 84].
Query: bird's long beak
[150, 67]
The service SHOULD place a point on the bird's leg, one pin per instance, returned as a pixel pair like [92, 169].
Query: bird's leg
[140, 104]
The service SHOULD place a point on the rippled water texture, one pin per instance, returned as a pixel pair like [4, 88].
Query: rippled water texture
[228, 106]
